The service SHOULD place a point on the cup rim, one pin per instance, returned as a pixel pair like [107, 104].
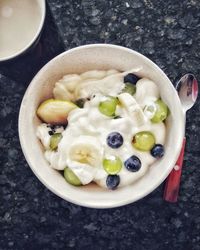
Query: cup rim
[19, 52]
[128, 200]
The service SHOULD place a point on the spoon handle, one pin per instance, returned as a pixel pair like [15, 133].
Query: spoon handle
[173, 180]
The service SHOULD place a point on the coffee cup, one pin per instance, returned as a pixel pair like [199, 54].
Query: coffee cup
[21, 22]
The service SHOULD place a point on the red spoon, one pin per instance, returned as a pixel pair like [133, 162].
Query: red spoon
[187, 88]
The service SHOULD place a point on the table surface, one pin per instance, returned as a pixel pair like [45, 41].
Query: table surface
[31, 217]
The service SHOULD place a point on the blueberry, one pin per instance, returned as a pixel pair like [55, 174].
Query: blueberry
[115, 140]
[133, 164]
[112, 181]
[51, 132]
[131, 78]
[158, 151]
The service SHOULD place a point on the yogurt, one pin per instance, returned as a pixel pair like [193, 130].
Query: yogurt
[84, 142]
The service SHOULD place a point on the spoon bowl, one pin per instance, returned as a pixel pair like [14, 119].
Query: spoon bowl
[187, 88]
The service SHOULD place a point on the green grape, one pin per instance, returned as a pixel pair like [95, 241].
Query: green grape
[71, 178]
[143, 141]
[113, 165]
[54, 140]
[108, 106]
[161, 112]
[129, 88]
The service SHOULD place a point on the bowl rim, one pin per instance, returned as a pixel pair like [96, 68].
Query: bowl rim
[24, 49]
[128, 200]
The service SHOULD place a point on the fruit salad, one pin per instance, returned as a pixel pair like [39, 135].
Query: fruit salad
[106, 127]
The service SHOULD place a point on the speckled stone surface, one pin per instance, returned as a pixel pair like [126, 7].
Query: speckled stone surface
[31, 217]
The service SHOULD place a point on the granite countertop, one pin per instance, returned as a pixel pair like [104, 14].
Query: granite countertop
[31, 217]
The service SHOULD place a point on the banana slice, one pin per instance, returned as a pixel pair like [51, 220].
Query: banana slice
[132, 107]
[64, 88]
[112, 84]
[98, 74]
[146, 90]
[70, 81]
[86, 150]
[85, 158]
[93, 74]
[62, 93]
[55, 111]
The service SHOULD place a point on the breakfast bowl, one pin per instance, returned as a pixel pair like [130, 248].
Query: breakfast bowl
[76, 61]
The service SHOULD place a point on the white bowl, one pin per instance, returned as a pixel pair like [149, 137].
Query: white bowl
[81, 59]
[42, 6]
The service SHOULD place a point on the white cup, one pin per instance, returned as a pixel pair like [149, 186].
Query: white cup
[21, 22]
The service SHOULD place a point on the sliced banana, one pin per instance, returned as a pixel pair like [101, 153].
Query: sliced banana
[86, 88]
[64, 88]
[112, 72]
[85, 157]
[62, 93]
[86, 150]
[70, 81]
[98, 74]
[146, 90]
[132, 107]
[112, 84]
[55, 111]
[93, 74]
